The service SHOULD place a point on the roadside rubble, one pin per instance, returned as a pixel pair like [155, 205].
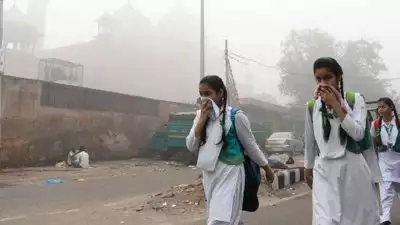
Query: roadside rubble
[280, 161]
[186, 198]
[190, 197]
[182, 198]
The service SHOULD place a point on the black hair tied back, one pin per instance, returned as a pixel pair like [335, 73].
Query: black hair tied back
[333, 66]
[216, 83]
[389, 102]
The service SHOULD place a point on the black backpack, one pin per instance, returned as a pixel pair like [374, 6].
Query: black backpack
[252, 176]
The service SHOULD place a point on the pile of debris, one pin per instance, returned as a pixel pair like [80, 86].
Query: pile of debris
[179, 199]
[188, 197]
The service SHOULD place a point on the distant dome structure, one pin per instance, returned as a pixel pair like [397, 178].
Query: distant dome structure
[126, 22]
[15, 14]
[179, 25]
[106, 26]
[19, 33]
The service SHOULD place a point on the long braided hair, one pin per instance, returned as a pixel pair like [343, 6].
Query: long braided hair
[387, 101]
[333, 66]
[216, 84]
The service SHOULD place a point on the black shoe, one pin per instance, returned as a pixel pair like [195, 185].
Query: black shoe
[386, 223]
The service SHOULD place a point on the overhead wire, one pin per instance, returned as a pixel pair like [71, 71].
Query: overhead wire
[239, 58]
[251, 60]
[235, 57]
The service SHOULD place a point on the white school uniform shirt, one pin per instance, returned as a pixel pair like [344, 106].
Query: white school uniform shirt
[353, 124]
[208, 154]
[389, 161]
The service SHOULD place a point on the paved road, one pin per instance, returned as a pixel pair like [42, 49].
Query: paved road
[293, 212]
[27, 201]
[110, 200]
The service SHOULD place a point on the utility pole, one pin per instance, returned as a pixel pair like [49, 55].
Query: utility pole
[1, 38]
[233, 95]
[227, 67]
[202, 45]
[2, 53]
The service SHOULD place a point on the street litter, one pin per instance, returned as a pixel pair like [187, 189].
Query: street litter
[142, 164]
[180, 198]
[54, 181]
[279, 161]
[62, 164]
[176, 164]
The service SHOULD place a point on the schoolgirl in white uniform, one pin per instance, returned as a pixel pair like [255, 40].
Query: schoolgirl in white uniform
[341, 181]
[385, 131]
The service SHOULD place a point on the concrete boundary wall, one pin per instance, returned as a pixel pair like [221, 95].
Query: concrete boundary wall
[41, 120]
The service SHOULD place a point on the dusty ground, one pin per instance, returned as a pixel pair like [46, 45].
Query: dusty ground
[25, 195]
[124, 192]
[182, 209]
[187, 200]
[100, 170]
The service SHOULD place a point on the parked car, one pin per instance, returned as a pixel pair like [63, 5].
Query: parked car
[284, 142]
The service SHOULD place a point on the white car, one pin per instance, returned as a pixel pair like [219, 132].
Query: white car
[284, 142]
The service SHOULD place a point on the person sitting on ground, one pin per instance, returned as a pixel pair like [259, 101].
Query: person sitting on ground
[82, 158]
[71, 156]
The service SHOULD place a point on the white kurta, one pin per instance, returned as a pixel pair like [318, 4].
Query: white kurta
[389, 163]
[224, 184]
[343, 188]
[82, 159]
[372, 160]
[70, 158]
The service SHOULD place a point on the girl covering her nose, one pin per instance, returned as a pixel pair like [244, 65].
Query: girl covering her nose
[219, 145]
[341, 181]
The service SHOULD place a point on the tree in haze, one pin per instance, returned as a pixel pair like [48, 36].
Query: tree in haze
[360, 61]
[362, 65]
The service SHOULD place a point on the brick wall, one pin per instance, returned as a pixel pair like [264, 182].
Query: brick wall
[41, 120]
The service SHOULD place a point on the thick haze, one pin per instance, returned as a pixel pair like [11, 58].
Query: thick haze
[254, 28]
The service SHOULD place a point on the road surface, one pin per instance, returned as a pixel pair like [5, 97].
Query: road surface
[41, 203]
[296, 211]
[113, 197]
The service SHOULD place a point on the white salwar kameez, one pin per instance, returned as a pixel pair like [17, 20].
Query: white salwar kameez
[343, 188]
[223, 183]
[389, 163]
[82, 159]
[371, 157]
[372, 160]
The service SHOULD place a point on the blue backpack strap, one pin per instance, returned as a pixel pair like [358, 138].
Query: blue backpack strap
[252, 176]
[233, 115]
[233, 119]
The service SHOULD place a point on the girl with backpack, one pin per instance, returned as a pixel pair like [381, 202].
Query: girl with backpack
[371, 157]
[223, 139]
[385, 133]
[335, 137]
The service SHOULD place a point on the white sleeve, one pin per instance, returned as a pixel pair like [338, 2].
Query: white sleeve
[311, 147]
[193, 143]
[246, 138]
[354, 122]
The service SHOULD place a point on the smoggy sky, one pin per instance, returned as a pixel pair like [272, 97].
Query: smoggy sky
[254, 28]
